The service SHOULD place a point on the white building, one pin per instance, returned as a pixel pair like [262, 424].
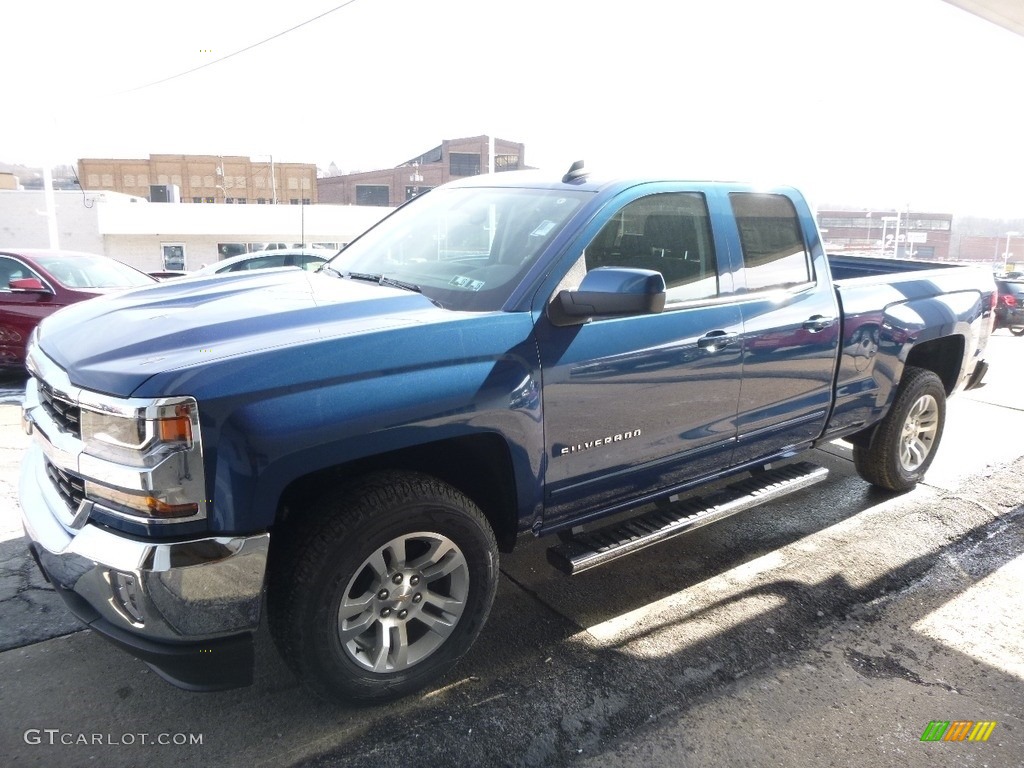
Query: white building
[156, 236]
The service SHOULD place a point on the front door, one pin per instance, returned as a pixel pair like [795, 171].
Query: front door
[639, 403]
[20, 311]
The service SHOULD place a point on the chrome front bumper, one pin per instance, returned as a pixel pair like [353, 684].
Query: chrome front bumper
[187, 608]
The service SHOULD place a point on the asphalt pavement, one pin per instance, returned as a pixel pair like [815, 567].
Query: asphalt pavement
[829, 628]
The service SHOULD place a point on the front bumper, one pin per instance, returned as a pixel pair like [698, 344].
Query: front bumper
[186, 608]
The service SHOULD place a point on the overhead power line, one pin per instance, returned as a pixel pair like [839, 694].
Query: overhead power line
[242, 50]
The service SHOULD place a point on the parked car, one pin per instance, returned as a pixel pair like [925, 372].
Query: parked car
[1010, 306]
[309, 259]
[36, 283]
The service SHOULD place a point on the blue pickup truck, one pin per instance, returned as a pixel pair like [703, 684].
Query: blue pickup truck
[614, 362]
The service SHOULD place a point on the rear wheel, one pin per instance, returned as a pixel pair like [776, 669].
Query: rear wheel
[1017, 330]
[904, 443]
[383, 588]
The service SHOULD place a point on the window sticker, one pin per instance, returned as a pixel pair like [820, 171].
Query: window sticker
[466, 282]
[543, 229]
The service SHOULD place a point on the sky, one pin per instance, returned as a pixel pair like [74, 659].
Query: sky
[869, 103]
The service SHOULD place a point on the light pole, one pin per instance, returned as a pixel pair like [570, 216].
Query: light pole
[896, 239]
[273, 179]
[273, 182]
[1006, 251]
[886, 220]
[416, 178]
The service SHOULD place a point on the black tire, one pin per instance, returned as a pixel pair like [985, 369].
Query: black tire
[903, 445]
[1017, 331]
[416, 564]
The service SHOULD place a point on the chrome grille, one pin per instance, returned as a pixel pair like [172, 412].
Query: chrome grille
[66, 414]
[70, 486]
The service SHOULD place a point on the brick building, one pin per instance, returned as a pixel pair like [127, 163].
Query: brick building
[204, 178]
[453, 158]
[1003, 252]
[923, 236]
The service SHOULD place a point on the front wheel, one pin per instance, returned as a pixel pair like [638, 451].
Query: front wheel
[383, 587]
[1017, 330]
[905, 441]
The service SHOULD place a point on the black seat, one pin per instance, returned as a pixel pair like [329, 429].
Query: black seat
[631, 246]
[671, 247]
[668, 235]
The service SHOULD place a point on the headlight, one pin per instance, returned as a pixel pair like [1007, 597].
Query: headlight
[134, 458]
[112, 430]
[139, 437]
[161, 438]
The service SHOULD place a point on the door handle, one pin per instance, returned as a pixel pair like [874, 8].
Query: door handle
[817, 323]
[715, 340]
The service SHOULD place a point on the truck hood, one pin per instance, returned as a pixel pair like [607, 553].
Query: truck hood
[112, 344]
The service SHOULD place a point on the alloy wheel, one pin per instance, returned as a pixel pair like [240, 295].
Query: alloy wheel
[919, 432]
[403, 602]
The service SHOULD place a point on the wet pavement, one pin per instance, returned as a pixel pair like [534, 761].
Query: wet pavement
[827, 628]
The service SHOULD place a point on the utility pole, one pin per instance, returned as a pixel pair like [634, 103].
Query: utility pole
[51, 206]
[896, 239]
[273, 182]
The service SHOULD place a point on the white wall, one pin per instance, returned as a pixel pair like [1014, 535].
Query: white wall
[134, 232]
[23, 220]
[145, 252]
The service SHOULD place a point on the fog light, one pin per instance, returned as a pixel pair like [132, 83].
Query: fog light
[125, 588]
[152, 506]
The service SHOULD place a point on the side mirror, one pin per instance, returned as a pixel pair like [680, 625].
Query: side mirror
[28, 285]
[610, 292]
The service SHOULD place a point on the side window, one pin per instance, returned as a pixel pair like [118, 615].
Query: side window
[310, 263]
[12, 270]
[263, 262]
[774, 254]
[669, 233]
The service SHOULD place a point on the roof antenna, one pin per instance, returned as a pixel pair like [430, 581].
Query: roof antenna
[576, 171]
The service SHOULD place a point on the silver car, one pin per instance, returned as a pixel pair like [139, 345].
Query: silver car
[309, 259]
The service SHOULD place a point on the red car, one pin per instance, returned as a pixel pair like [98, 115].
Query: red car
[36, 283]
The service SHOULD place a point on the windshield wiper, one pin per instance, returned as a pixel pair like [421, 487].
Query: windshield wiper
[330, 270]
[400, 284]
[382, 280]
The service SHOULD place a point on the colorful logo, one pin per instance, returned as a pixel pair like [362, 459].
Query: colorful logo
[958, 730]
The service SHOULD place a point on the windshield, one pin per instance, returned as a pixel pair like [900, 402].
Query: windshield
[465, 248]
[92, 272]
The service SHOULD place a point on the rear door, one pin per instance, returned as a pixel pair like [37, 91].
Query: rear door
[790, 326]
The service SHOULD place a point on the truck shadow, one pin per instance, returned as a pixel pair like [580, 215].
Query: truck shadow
[575, 699]
[543, 686]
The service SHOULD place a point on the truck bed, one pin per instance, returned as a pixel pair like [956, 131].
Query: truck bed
[890, 306]
[845, 268]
